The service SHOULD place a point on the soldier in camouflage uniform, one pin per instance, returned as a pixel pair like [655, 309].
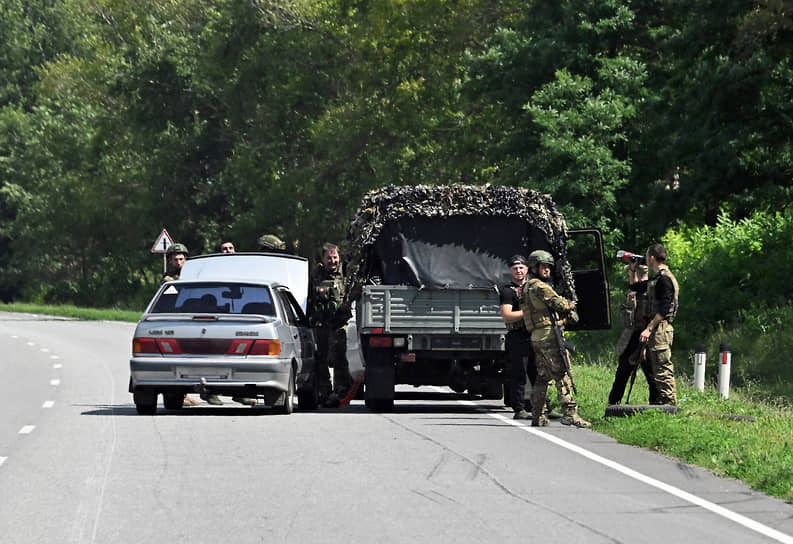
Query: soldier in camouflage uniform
[662, 292]
[328, 318]
[540, 303]
[635, 317]
[176, 256]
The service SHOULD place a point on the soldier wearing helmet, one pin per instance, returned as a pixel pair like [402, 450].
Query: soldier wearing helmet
[271, 243]
[541, 304]
[177, 255]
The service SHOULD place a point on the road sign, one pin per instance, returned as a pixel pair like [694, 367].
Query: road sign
[162, 243]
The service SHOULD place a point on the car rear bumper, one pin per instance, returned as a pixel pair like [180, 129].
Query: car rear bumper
[208, 374]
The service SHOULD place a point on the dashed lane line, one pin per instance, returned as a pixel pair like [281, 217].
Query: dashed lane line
[48, 404]
[27, 429]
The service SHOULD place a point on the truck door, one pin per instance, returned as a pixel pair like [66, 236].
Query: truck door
[585, 253]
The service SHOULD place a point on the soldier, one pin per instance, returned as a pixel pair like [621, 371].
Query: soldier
[518, 341]
[635, 317]
[271, 243]
[329, 318]
[541, 304]
[177, 255]
[662, 293]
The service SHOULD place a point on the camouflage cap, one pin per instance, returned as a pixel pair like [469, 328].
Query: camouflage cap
[177, 248]
[270, 242]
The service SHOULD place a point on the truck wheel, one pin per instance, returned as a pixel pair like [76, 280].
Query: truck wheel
[289, 396]
[145, 402]
[173, 401]
[380, 405]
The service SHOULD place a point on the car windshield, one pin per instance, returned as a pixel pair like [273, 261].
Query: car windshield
[214, 298]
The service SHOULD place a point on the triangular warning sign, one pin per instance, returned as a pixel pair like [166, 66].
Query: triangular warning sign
[162, 243]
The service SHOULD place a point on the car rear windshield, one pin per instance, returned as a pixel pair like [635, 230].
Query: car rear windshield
[214, 298]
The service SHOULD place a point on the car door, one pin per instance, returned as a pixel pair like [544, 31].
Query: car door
[585, 254]
[300, 331]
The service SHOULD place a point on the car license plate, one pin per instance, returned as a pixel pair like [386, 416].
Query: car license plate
[209, 373]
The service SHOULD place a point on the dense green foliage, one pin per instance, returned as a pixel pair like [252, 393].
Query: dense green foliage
[222, 119]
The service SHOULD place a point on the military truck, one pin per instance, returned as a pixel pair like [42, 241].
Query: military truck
[424, 270]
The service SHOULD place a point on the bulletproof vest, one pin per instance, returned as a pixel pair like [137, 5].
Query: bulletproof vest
[515, 325]
[327, 296]
[651, 286]
[636, 311]
[536, 314]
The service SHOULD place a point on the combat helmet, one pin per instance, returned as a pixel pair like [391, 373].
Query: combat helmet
[271, 242]
[173, 249]
[540, 256]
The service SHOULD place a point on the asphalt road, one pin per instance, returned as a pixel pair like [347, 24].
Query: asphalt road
[78, 465]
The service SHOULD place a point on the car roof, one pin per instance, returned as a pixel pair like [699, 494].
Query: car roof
[268, 268]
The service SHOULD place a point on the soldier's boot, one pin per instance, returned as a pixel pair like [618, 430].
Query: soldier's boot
[572, 417]
[539, 420]
[549, 412]
[538, 395]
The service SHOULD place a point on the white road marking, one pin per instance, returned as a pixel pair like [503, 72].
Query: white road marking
[672, 490]
[57, 365]
[48, 404]
[45, 350]
[3, 460]
[55, 382]
[13, 336]
[31, 343]
[27, 429]
[54, 357]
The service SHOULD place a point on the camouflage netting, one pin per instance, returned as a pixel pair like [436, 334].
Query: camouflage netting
[393, 202]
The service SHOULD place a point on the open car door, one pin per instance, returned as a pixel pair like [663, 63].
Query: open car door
[585, 253]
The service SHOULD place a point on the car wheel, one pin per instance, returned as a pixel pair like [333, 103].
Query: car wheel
[625, 410]
[173, 401]
[145, 402]
[289, 397]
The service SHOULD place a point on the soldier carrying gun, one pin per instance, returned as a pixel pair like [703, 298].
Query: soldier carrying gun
[542, 308]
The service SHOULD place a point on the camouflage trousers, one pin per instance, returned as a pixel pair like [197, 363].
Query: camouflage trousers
[332, 353]
[550, 367]
[659, 354]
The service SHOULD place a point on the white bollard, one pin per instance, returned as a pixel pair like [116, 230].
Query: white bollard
[724, 370]
[699, 367]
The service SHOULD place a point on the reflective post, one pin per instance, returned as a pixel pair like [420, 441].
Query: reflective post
[699, 367]
[724, 370]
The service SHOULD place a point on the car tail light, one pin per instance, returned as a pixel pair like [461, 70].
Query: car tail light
[169, 346]
[266, 347]
[380, 341]
[144, 345]
[239, 347]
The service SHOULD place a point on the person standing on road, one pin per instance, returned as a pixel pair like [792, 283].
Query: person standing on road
[541, 304]
[518, 340]
[630, 353]
[176, 257]
[662, 293]
[328, 318]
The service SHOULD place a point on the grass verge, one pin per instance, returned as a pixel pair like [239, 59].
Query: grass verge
[759, 453]
[89, 314]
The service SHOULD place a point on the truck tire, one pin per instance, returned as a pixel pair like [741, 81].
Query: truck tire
[380, 405]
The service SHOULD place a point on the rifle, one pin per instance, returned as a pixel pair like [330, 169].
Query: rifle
[564, 345]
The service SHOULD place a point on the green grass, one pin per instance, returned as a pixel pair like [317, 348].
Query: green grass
[759, 453]
[89, 314]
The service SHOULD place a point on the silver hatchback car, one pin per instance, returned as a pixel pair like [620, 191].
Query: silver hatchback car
[233, 324]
